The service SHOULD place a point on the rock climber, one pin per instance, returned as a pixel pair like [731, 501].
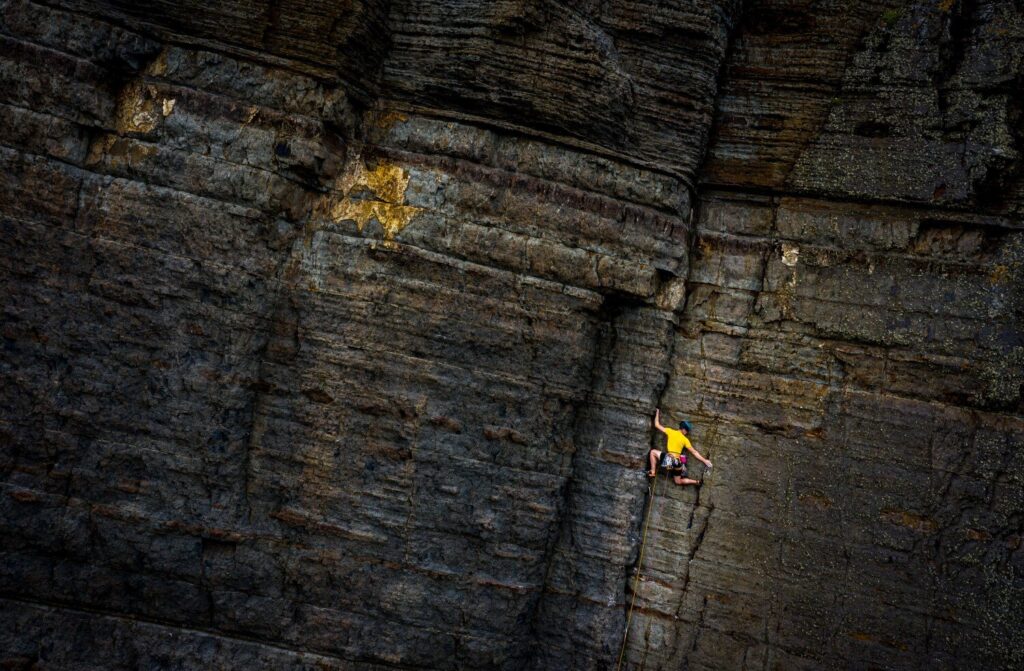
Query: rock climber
[673, 458]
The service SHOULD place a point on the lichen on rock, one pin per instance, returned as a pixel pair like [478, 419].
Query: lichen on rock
[377, 193]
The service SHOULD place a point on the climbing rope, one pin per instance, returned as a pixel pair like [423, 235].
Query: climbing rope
[643, 545]
[639, 567]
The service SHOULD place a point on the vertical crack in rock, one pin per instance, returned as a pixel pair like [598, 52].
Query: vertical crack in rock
[566, 515]
[575, 574]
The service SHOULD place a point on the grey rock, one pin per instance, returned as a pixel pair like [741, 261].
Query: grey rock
[332, 334]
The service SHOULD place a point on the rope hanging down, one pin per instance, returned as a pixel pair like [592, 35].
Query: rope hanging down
[639, 567]
[643, 545]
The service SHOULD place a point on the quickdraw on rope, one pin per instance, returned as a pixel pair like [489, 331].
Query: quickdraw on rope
[639, 567]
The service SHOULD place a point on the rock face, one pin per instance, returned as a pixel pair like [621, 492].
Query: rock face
[332, 334]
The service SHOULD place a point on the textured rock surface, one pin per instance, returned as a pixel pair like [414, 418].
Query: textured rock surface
[332, 333]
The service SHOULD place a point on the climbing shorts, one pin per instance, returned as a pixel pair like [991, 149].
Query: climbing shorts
[673, 463]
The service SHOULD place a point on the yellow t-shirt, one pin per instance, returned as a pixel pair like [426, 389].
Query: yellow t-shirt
[677, 441]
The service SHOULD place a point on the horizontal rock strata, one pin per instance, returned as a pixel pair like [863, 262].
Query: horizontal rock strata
[332, 334]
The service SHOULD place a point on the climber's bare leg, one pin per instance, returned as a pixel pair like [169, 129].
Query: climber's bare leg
[685, 481]
[654, 456]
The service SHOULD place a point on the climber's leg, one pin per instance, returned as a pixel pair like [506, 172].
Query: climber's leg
[654, 456]
[681, 479]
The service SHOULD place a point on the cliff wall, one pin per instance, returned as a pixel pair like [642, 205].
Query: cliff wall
[332, 333]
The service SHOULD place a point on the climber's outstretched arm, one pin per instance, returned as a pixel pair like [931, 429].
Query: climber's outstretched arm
[657, 420]
[698, 455]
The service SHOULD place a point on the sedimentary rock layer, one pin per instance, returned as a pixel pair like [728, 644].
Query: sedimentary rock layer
[847, 368]
[332, 334]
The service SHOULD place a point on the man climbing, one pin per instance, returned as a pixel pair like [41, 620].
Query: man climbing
[673, 457]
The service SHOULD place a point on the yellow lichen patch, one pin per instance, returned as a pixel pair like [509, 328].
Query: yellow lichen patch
[393, 218]
[137, 109]
[387, 184]
[168, 106]
[118, 151]
[390, 118]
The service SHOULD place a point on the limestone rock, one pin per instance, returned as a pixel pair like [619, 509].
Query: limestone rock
[332, 334]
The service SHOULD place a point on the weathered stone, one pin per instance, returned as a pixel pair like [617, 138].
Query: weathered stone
[332, 334]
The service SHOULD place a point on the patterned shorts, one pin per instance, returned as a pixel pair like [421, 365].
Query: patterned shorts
[673, 463]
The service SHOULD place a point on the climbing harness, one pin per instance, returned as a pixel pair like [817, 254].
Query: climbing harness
[672, 461]
[639, 567]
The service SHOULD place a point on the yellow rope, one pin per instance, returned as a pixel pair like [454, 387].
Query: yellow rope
[639, 567]
[640, 559]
